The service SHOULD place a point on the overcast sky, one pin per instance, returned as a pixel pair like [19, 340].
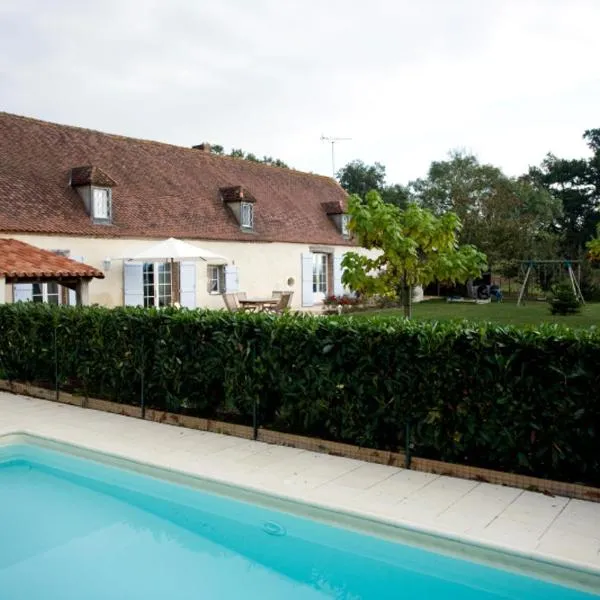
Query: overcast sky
[407, 80]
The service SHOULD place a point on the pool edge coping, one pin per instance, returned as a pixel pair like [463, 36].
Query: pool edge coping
[577, 575]
[573, 490]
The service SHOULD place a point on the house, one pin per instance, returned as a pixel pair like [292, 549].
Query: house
[94, 197]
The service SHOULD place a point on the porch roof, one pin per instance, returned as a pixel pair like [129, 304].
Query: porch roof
[23, 262]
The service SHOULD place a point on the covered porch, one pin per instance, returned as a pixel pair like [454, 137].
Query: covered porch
[27, 272]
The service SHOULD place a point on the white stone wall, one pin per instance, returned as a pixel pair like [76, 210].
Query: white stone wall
[262, 267]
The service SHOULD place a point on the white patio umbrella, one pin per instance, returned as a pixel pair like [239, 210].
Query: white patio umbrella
[171, 251]
[175, 250]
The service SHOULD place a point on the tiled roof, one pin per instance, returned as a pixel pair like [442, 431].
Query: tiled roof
[236, 193]
[161, 190]
[21, 260]
[90, 175]
[333, 208]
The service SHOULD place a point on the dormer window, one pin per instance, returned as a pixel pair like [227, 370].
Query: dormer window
[95, 188]
[101, 204]
[247, 215]
[335, 211]
[345, 222]
[241, 203]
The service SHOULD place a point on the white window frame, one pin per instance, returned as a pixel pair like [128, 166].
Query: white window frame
[105, 214]
[157, 294]
[345, 228]
[216, 279]
[320, 273]
[45, 293]
[247, 215]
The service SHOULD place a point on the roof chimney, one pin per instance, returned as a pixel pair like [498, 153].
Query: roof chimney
[203, 147]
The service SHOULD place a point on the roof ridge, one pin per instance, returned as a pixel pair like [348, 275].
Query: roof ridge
[157, 142]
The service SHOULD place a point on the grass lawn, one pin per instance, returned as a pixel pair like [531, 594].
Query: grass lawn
[506, 313]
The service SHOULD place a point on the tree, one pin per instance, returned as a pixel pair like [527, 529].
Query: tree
[508, 219]
[459, 184]
[396, 194]
[359, 178]
[274, 162]
[593, 247]
[575, 183]
[414, 247]
[562, 300]
[239, 153]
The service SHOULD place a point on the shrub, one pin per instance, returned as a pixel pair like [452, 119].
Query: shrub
[516, 400]
[344, 300]
[562, 299]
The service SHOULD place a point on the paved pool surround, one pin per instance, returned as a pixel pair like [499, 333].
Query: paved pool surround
[559, 532]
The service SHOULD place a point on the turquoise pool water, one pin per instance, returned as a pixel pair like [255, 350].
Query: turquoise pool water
[77, 529]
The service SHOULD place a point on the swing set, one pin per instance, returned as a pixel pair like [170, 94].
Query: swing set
[546, 271]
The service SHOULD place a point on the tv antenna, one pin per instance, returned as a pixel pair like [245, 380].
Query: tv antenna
[333, 141]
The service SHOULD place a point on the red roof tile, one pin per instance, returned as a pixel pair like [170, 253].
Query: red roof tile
[161, 190]
[236, 194]
[90, 175]
[21, 260]
[333, 208]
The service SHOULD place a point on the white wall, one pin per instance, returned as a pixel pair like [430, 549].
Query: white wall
[262, 267]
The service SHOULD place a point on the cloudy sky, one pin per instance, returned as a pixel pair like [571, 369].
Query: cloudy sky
[407, 80]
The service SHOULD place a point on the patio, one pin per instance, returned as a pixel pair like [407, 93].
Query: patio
[563, 531]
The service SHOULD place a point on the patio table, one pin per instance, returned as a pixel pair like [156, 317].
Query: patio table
[258, 304]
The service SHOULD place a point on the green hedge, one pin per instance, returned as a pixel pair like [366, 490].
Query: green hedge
[518, 400]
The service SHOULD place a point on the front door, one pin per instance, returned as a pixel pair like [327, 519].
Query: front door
[157, 284]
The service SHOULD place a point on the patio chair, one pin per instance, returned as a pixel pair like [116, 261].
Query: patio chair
[231, 302]
[284, 303]
[276, 294]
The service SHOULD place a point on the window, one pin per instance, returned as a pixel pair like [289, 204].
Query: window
[345, 228]
[320, 276]
[216, 279]
[48, 293]
[101, 204]
[157, 284]
[247, 215]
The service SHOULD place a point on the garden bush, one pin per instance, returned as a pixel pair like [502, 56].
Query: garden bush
[563, 300]
[518, 400]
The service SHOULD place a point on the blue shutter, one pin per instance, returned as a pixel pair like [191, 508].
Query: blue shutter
[133, 284]
[187, 284]
[22, 292]
[232, 282]
[307, 279]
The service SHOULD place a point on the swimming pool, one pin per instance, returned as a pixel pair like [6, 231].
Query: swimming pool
[74, 528]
